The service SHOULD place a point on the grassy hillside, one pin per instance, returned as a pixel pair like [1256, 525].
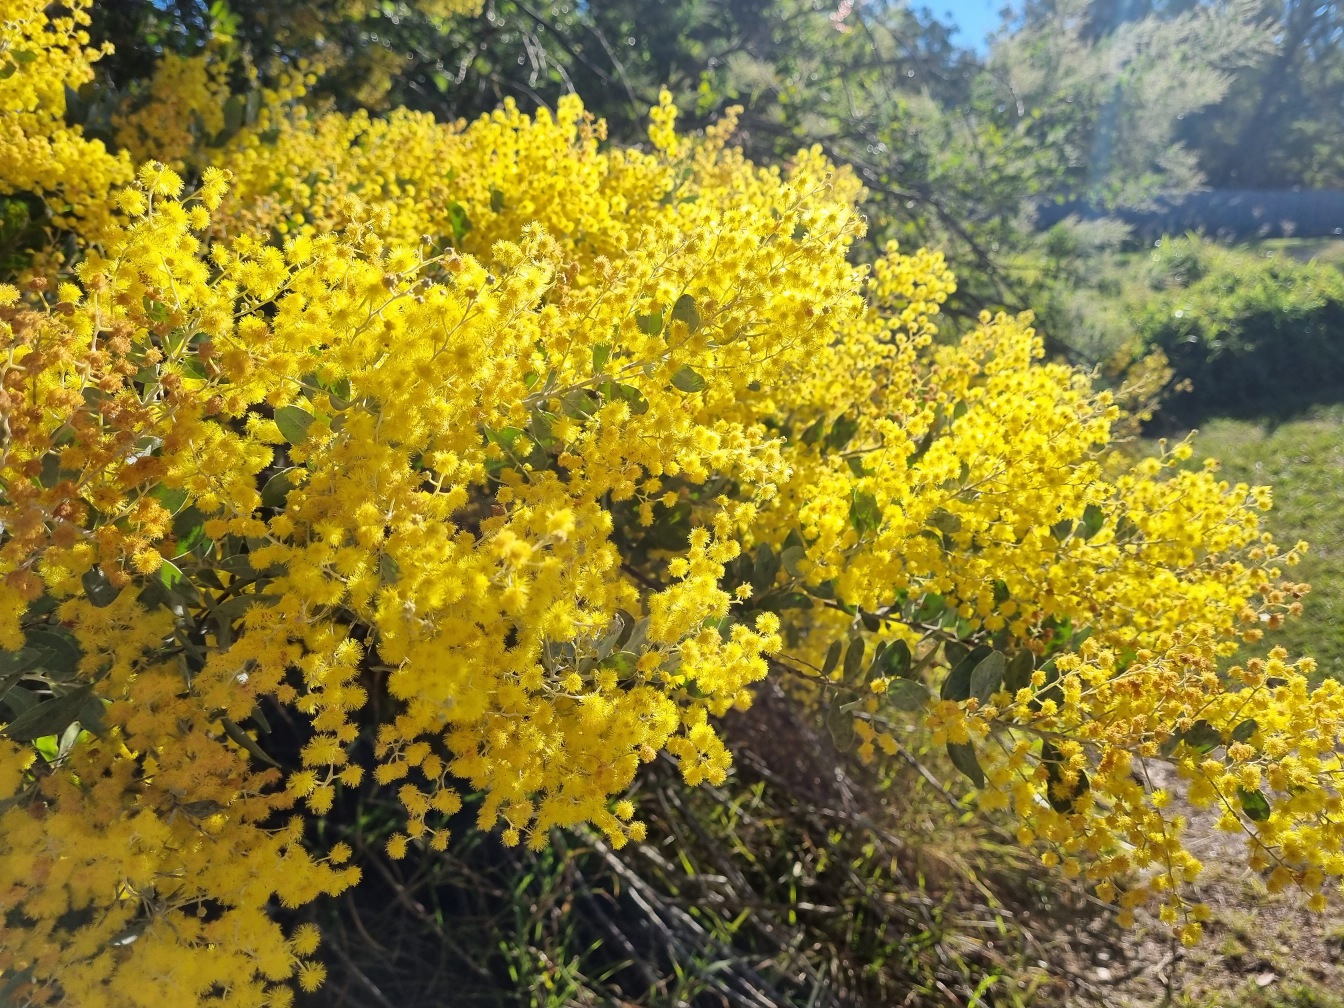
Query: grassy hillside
[1303, 460]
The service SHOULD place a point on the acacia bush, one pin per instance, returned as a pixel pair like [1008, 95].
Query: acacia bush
[498, 459]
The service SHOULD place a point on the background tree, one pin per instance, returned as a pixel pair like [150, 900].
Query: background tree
[1279, 126]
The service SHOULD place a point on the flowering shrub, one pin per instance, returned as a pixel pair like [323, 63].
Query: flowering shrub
[41, 57]
[499, 459]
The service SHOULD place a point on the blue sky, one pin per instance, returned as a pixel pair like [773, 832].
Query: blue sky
[975, 18]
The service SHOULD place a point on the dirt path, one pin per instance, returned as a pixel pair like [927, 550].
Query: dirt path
[1258, 950]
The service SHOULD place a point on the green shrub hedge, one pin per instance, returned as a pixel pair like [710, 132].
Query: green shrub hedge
[1255, 333]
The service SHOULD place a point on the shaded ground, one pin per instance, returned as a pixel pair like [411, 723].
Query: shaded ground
[1259, 950]
[802, 881]
[1052, 945]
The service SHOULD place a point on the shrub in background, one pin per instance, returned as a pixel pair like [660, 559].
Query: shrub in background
[1254, 333]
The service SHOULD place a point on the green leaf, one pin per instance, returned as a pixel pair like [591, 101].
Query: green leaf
[765, 568]
[987, 677]
[260, 719]
[627, 629]
[68, 739]
[340, 394]
[856, 466]
[907, 695]
[601, 354]
[201, 809]
[962, 755]
[945, 521]
[18, 699]
[98, 589]
[247, 742]
[187, 526]
[864, 514]
[459, 220]
[1202, 737]
[195, 536]
[173, 499]
[638, 637]
[1254, 804]
[389, 571]
[896, 658]
[631, 395]
[539, 428]
[813, 434]
[23, 56]
[650, 325]
[840, 720]
[91, 715]
[234, 109]
[14, 663]
[580, 404]
[1061, 529]
[43, 605]
[505, 437]
[1244, 731]
[957, 685]
[56, 651]
[170, 574]
[1093, 519]
[1018, 673]
[921, 446]
[52, 473]
[51, 717]
[832, 658]
[687, 380]
[607, 643]
[671, 529]
[685, 311]
[277, 488]
[854, 659]
[496, 201]
[929, 609]
[293, 423]
[842, 433]
[792, 558]
[48, 746]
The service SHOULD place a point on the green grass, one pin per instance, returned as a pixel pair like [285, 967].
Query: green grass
[1303, 460]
